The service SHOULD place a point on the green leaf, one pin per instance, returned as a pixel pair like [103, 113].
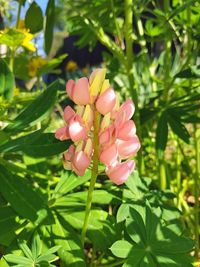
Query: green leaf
[36, 110]
[36, 144]
[26, 250]
[48, 33]
[99, 196]
[8, 225]
[18, 143]
[137, 185]
[23, 199]
[181, 8]
[36, 246]
[7, 82]
[52, 64]
[45, 146]
[178, 128]
[34, 18]
[68, 182]
[48, 255]
[135, 258]
[135, 227]
[121, 248]
[17, 259]
[161, 133]
[71, 252]
[123, 212]
[154, 241]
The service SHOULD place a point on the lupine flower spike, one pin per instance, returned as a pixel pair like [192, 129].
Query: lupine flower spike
[117, 139]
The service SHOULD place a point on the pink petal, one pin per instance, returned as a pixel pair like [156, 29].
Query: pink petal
[76, 130]
[127, 131]
[62, 133]
[70, 88]
[109, 155]
[81, 92]
[81, 161]
[104, 137]
[68, 113]
[108, 135]
[67, 156]
[106, 102]
[128, 148]
[125, 112]
[120, 173]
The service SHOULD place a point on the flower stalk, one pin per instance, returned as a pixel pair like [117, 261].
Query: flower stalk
[94, 175]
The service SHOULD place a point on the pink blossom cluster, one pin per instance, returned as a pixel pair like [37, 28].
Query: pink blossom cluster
[117, 139]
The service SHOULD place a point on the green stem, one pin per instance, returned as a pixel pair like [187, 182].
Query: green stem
[196, 191]
[94, 175]
[129, 69]
[178, 174]
[162, 173]
[116, 24]
[18, 14]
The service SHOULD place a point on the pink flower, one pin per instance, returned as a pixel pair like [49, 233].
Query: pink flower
[119, 174]
[117, 139]
[79, 91]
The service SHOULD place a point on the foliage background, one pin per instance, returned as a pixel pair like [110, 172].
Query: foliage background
[153, 57]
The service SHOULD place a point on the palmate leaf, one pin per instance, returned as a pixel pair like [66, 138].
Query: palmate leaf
[154, 244]
[70, 252]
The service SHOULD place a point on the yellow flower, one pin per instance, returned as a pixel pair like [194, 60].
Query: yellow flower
[26, 42]
[16, 37]
[35, 65]
[71, 66]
